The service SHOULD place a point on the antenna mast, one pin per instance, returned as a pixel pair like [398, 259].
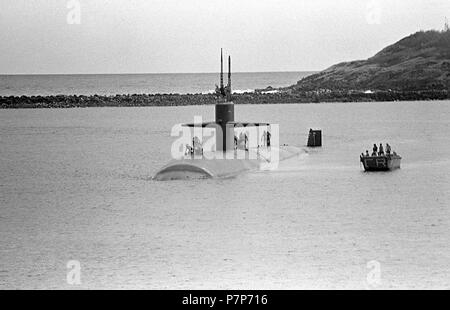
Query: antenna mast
[221, 71]
[222, 91]
[229, 79]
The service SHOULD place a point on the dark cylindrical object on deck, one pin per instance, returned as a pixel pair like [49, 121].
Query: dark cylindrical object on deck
[315, 138]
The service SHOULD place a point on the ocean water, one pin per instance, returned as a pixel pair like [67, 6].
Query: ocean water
[112, 84]
[75, 184]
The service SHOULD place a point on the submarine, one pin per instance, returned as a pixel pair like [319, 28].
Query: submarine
[227, 153]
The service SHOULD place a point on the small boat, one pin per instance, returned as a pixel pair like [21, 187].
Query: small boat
[381, 163]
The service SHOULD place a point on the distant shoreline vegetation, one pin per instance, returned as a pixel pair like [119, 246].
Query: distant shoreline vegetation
[257, 97]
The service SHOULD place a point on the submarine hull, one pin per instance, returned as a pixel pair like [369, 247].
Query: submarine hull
[185, 169]
[203, 168]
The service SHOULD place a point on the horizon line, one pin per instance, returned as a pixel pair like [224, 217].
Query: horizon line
[155, 73]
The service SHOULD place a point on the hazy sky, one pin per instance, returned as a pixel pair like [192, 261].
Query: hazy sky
[146, 36]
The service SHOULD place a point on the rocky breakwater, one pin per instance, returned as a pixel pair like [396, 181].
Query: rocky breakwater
[283, 96]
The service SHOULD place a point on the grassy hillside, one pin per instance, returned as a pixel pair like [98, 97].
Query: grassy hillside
[418, 62]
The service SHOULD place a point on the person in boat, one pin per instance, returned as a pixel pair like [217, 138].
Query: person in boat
[381, 151]
[388, 149]
[367, 153]
[374, 150]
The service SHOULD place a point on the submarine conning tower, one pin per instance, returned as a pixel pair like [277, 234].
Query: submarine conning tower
[225, 119]
[225, 112]
[199, 167]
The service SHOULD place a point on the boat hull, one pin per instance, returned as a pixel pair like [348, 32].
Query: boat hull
[381, 163]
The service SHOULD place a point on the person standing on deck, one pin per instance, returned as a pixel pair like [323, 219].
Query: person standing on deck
[374, 150]
[264, 138]
[246, 146]
[241, 140]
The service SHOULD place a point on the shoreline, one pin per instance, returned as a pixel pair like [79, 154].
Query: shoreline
[282, 97]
